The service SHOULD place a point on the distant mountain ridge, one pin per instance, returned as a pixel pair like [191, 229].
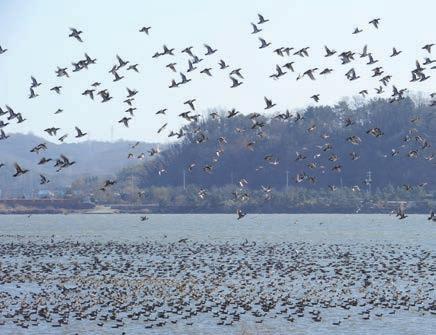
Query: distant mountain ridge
[93, 158]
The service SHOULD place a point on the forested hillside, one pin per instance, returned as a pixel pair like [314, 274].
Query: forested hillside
[327, 146]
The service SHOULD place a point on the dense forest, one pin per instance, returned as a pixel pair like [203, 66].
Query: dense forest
[320, 147]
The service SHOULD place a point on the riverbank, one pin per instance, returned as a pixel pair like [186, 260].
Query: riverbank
[65, 206]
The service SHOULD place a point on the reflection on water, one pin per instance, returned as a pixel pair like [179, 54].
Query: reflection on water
[209, 274]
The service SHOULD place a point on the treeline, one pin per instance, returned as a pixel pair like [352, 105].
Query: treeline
[231, 197]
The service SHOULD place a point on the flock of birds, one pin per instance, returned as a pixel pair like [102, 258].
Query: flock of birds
[155, 284]
[236, 76]
[183, 284]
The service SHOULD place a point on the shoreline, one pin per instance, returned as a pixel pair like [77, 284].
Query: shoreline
[117, 212]
[77, 206]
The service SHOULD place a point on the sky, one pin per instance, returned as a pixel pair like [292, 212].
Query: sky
[36, 36]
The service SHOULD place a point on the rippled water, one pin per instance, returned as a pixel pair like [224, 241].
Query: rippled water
[349, 230]
[221, 227]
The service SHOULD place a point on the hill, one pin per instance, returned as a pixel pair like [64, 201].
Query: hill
[331, 145]
[93, 158]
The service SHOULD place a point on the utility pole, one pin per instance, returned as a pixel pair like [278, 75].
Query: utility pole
[131, 185]
[184, 179]
[369, 181]
[287, 179]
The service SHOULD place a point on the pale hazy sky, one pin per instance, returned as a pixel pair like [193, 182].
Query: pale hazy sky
[36, 36]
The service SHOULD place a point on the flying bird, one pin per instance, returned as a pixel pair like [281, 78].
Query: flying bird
[32, 94]
[209, 50]
[145, 30]
[240, 214]
[255, 29]
[19, 170]
[79, 133]
[76, 34]
[35, 82]
[44, 180]
[428, 47]
[125, 121]
[329, 52]
[56, 89]
[315, 97]
[375, 22]
[269, 103]
[190, 103]
[263, 43]
[235, 82]
[261, 19]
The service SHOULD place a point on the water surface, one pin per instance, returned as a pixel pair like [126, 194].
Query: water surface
[153, 260]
